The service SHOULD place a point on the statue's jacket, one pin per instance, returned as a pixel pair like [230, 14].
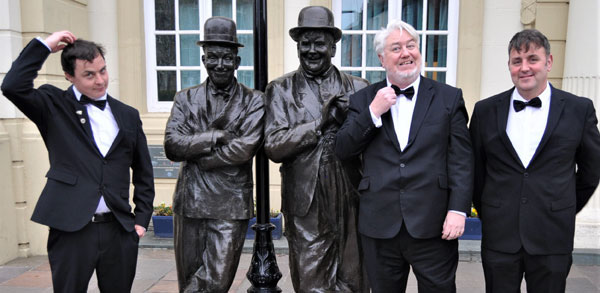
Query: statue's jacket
[215, 181]
[293, 137]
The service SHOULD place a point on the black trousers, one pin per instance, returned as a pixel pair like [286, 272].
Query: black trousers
[543, 273]
[388, 263]
[105, 247]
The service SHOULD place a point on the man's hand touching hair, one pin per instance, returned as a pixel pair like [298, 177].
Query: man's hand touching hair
[59, 40]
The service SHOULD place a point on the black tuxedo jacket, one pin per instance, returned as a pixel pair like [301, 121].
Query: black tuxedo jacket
[419, 185]
[79, 173]
[534, 207]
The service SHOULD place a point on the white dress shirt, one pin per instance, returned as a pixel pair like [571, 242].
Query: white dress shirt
[104, 130]
[526, 127]
[402, 113]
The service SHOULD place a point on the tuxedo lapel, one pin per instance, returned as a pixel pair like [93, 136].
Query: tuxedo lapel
[118, 114]
[502, 118]
[557, 103]
[81, 115]
[82, 119]
[386, 118]
[424, 98]
[388, 126]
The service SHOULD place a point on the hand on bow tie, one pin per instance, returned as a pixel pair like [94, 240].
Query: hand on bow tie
[408, 93]
[383, 101]
[101, 104]
[520, 105]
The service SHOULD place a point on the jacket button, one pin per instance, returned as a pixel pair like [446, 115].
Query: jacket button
[104, 162]
[402, 165]
[523, 200]
[526, 174]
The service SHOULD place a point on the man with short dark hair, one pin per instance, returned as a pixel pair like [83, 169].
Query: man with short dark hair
[215, 129]
[305, 108]
[537, 159]
[93, 141]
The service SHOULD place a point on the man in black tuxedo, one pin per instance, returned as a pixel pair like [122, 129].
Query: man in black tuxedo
[93, 141]
[537, 162]
[417, 169]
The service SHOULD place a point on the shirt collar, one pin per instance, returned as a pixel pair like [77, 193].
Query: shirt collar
[415, 85]
[78, 95]
[544, 96]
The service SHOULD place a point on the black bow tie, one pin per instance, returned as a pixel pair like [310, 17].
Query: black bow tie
[520, 105]
[408, 93]
[101, 104]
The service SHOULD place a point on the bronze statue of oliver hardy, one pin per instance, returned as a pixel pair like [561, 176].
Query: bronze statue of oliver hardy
[304, 110]
[215, 129]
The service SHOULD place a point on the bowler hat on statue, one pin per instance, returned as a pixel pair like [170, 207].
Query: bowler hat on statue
[315, 18]
[220, 30]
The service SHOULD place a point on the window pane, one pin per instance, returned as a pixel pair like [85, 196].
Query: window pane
[190, 52]
[372, 59]
[437, 15]
[377, 14]
[164, 15]
[190, 78]
[246, 77]
[244, 14]
[412, 13]
[355, 73]
[188, 15]
[221, 8]
[436, 51]
[165, 50]
[167, 85]
[351, 50]
[437, 75]
[352, 11]
[246, 52]
[375, 76]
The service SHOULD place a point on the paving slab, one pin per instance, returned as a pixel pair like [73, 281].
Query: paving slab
[156, 273]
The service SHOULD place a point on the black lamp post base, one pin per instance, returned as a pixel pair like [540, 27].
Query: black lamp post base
[264, 272]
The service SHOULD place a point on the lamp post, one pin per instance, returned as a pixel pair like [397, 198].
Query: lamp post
[264, 272]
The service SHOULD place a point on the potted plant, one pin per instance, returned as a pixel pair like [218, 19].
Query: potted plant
[472, 226]
[275, 218]
[162, 220]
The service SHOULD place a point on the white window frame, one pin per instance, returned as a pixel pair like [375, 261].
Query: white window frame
[205, 12]
[395, 12]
